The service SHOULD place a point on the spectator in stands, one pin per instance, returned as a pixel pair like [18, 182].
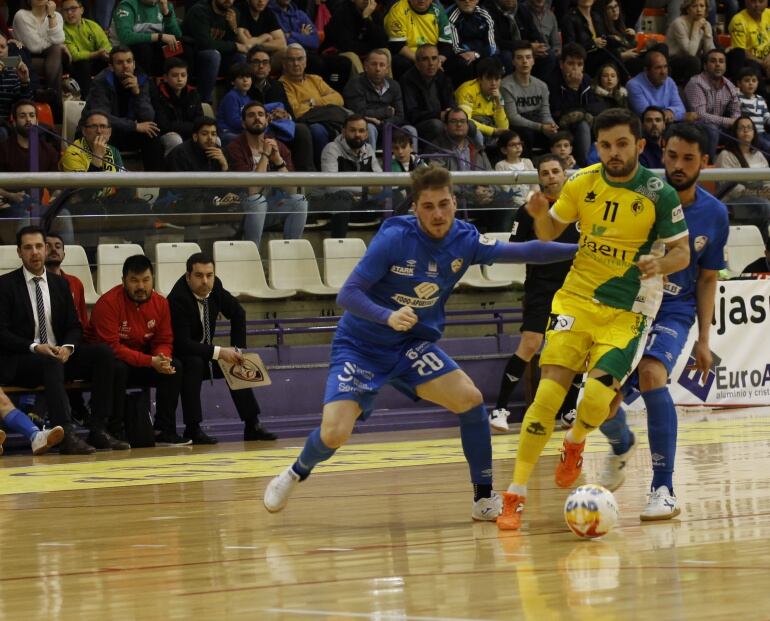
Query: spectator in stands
[512, 147]
[124, 93]
[573, 102]
[607, 88]
[41, 29]
[211, 28]
[92, 152]
[196, 301]
[355, 29]
[266, 90]
[404, 157]
[712, 100]
[41, 338]
[411, 23]
[259, 28]
[547, 25]
[750, 38]
[254, 151]
[463, 154]
[375, 96]
[473, 38]
[754, 105]
[54, 256]
[176, 104]
[17, 421]
[229, 109]
[135, 321]
[761, 265]
[14, 84]
[482, 100]
[147, 27]
[516, 23]
[427, 93]
[348, 152]
[314, 102]
[526, 99]
[655, 88]
[87, 45]
[689, 37]
[300, 30]
[561, 146]
[14, 157]
[621, 40]
[583, 25]
[653, 126]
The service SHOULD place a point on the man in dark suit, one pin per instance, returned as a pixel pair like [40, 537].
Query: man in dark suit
[40, 339]
[196, 300]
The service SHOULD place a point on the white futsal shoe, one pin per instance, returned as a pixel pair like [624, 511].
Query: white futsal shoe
[660, 506]
[498, 420]
[45, 439]
[614, 468]
[487, 509]
[279, 489]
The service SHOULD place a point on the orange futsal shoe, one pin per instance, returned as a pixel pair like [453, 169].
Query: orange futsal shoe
[571, 463]
[513, 507]
[2, 439]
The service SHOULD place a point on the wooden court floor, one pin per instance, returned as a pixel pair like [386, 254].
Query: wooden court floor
[383, 532]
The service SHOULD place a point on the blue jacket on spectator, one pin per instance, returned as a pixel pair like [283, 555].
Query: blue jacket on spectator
[229, 111]
[291, 19]
[642, 94]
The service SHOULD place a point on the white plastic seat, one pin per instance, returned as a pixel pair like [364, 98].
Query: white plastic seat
[340, 257]
[292, 265]
[76, 264]
[208, 110]
[109, 264]
[474, 277]
[504, 272]
[744, 246]
[71, 118]
[171, 263]
[9, 259]
[240, 269]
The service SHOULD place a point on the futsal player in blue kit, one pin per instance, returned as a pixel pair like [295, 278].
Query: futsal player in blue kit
[394, 314]
[688, 294]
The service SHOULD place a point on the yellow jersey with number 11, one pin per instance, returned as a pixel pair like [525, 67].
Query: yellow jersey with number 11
[618, 223]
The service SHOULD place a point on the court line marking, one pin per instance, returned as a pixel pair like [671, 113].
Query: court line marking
[384, 616]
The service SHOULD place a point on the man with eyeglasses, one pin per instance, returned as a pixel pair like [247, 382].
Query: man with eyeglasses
[87, 44]
[92, 152]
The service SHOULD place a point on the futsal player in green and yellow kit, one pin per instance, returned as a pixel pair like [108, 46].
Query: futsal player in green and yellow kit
[599, 317]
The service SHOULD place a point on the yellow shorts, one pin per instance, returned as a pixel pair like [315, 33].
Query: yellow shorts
[583, 335]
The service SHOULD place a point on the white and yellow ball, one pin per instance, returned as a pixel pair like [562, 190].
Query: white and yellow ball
[591, 511]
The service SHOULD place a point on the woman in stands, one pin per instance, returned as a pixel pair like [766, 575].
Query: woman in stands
[584, 25]
[747, 202]
[689, 37]
[607, 87]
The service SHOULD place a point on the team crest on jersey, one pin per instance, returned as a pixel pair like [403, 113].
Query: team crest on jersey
[655, 184]
[425, 292]
[637, 207]
[677, 214]
[456, 265]
[700, 242]
[590, 197]
[432, 270]
[486, 241]
[151, 324]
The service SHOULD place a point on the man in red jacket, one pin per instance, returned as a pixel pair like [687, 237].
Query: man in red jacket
[135, 322]
[54, 255]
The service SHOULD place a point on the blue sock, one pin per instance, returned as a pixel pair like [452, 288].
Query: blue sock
[19, 422]
[661, 429]
[477, 444]
[314, 453]
[617, 431]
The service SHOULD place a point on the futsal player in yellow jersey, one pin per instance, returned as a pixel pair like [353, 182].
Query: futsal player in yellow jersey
[599, 316]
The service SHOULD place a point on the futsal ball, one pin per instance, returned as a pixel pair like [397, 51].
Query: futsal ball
[591, 511]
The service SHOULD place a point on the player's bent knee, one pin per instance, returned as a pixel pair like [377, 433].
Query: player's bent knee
[597, 398]
[335, 433]
[467, 398]
[652, 374]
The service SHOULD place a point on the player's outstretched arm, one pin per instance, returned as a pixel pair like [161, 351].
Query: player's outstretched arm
[534, 252]
[546, 226]
[677, 258]
[352, 297]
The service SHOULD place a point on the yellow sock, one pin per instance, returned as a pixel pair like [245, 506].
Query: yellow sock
[536, 428]
[592, 410]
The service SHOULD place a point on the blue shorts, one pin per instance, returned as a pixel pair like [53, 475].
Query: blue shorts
[358, 369]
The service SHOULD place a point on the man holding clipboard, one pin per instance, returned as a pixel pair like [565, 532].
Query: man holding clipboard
[196, 300]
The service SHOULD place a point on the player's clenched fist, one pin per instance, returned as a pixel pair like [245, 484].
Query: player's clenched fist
[537, 205]
[402, 319]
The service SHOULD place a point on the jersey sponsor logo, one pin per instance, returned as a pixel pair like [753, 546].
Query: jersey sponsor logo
[590, 197]
[700, 242]
[425, 292]
[645, 191]
[637, 207]
[122, 13]
[401, 270]
[606, 250]
[456, 265]
[486, 241]
[597, 230]
[558, 323]
[671, 288]
[514, 228]
[655, 184]
[432, 270]
[151, 324]
[677, 214]
[350, 370]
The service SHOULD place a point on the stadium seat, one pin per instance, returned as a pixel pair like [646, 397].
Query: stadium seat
[340, 257]
[208, 110]
[71, 118]
[744, 245]
[292, 264]
[44, 114]
[515, 272]
[474, 277]
[9, 259]
[170, 263]
[76, 264]
[109, 264]
[240, 269]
